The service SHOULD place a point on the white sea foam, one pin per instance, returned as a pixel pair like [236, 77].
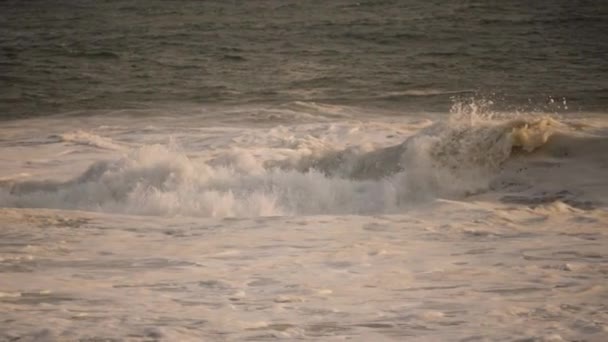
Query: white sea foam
[498, 219]
[89, 139]
[451, 158]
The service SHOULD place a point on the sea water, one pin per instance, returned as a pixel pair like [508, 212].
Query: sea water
[371, 170]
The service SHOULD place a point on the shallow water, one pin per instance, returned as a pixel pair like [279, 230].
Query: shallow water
[480, 271]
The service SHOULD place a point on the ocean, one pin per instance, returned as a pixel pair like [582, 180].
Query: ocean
[303, 170]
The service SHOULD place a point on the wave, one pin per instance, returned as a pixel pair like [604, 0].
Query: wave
[89, 139]
[457, 157]
[101, 54]
[424, 93]
[446, 146]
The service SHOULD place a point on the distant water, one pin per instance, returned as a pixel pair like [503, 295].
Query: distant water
[69, 55]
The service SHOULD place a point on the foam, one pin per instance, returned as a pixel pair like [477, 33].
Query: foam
[531, 135]
[452, 158]
[80, 137]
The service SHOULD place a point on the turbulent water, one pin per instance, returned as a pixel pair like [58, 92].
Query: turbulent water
[372, 170]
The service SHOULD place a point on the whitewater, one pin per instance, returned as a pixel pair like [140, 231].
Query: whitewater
[305, 221]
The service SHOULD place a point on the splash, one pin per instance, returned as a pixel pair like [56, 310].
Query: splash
[451, 158]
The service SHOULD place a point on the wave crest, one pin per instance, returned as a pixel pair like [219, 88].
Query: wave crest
[80, 137]
[447, 159]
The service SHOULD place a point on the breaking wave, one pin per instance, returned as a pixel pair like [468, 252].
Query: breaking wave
[450, 159]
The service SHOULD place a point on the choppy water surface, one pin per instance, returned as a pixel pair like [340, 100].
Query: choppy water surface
[74, 55]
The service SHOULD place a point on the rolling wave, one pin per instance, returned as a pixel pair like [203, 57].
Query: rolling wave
[450, 159]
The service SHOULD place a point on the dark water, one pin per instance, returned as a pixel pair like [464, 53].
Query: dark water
[59, 56]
